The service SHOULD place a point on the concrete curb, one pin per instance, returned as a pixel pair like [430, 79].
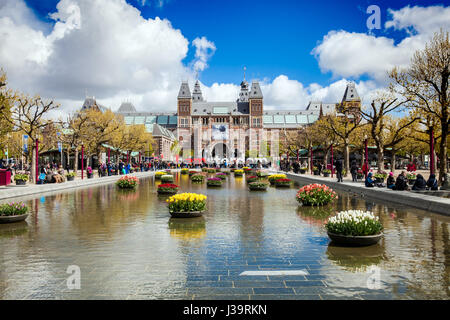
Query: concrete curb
[15, 191]
[407, 198]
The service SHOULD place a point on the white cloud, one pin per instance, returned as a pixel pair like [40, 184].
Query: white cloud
[204, 50]
[353, 54]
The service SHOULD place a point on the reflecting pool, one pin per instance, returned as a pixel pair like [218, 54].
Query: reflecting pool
[127, 246]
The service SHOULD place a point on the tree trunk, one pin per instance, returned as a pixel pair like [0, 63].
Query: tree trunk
[346, 158]
[75, 163]
[325, 159]
[393, 161]
[443, 150]
[380, 159]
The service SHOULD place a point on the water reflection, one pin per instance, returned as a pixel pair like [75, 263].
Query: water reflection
[126, 244]
[355, 259]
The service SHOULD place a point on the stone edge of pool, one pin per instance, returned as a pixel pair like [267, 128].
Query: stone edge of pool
[416, 200]
[15, 192]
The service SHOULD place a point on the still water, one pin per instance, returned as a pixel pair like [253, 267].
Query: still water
[126, 246]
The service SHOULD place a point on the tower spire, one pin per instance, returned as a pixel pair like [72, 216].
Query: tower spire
[245, 68]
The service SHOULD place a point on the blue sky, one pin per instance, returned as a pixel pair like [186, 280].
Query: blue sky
[141, 50]
[268, 37]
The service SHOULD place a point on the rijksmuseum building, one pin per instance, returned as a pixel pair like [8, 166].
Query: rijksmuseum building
[212, 131]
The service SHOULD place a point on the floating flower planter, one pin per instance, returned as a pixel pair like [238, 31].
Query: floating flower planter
[198, 178]
[214, 182]
[184, 171]
[283, 183]
[315, 195]
[167, 178]
[211, 170]
[238, 173]
[192, 172]
[159, 174]
[354, 228]
[167, 188]
[252, 179]
[221, 175]
[274, 177]
[262, 174]
[13, 212]
[127, 182]
[258, 186]
[186, 205]
[204, 169]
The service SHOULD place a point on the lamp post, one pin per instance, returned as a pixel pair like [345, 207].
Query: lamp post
[312, 165]
[366, 156]
[332, 168]
[82, 161]
[37, 160]
[432, 151]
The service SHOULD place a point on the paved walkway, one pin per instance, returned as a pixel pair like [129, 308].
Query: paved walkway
[13, 191]
[421, 200]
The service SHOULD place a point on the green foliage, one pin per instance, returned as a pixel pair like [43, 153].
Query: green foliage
[23, 177]
[13, 209]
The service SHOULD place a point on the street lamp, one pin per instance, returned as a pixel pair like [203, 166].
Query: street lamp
[366, 155]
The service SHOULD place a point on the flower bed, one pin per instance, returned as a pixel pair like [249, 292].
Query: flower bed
[238, 173]
[198, 178]
[251, 179]
[187, 202]
[184, 171]
[221, 175]
[283, 182]
[167, 178]
[380, 176]
[315, 195]
[127, 182]
[274, 177]
[159, 174]
[262, 174]
[214, 182]
[254, 186]
[167, 188]
[354, 223]
[13, 209]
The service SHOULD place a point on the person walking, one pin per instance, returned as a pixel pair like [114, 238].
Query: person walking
[339, 166]
[354, 171]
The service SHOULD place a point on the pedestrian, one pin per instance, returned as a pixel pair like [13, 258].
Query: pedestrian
[354, 171]
[432, 183]
[339, 166]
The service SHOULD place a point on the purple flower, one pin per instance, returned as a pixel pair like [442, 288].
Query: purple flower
[214, 179]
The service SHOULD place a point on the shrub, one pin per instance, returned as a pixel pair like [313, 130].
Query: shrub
[258, 185]
[198, 178]
[215, 182]
[354, 223]
[252, 179]
[187, 202]
[23, 177]
[167, 178]
[71, 174]
[315, 195]
[127, 182]
[238, 173]
[274, 177]
[167, 188]
[283, 182]
[184, 171]
[13, 209]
